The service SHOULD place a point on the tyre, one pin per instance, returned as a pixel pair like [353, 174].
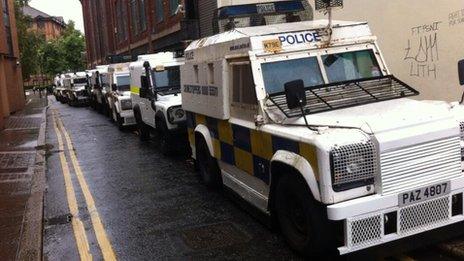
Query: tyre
[144, 129]
[208, 166]
[302, 221]
[164, 138]
[114, 115]
[119, 121]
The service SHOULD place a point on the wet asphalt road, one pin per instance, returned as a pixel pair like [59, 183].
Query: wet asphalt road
[152, 207]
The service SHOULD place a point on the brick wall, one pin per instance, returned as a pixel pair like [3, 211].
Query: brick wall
[167, 34]
[11, 89]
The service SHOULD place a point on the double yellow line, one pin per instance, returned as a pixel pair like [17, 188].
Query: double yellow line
[77, 224]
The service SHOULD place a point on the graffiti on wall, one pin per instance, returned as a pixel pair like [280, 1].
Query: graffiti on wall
[421, 52]
[456, 18]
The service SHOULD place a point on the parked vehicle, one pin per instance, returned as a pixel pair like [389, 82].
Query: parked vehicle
[59, 91]
[99, 87]
[119, 98]
[156, 99]
[309, 126]
[77, 94]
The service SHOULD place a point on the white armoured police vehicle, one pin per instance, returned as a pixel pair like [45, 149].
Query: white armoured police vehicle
[77, 94]
[309, 126]
[119, 99]
[100, 86]
[155, 92]
[59, 88]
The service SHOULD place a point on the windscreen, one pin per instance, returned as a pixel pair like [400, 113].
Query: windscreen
[80, 81]
[123, 83]
[351, 66]
[104, 81]
[276, 74]
[170, 77]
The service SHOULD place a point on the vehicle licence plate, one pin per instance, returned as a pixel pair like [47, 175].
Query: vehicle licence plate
[424, 194]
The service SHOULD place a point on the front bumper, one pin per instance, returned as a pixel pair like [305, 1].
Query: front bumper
[365, 223]
[128, 117]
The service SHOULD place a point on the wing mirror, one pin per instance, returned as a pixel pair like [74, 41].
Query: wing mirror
[144, 90]
[114, 87]
[296, 98]
[295, 94]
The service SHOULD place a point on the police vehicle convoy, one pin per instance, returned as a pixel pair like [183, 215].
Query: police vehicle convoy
[77, 93]
[308, 125]
[156, 100]
[118, 98]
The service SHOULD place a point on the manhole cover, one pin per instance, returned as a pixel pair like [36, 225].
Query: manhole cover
[214, 236]
[16, 160]
[21, 123]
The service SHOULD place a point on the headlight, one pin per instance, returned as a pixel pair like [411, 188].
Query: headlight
[126, 105]
[176, 114]
[353, 166]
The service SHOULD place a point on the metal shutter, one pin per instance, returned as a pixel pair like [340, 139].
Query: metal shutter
[206, 9]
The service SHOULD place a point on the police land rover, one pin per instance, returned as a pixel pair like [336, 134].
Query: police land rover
[100, 86]
[155, 92]
[119, 99]
[309, 126]
[77, 94]
[58, 92]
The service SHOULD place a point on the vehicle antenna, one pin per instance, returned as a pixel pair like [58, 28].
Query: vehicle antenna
[326, 7]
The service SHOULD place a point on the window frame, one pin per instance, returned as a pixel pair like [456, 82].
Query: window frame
[159, 12]
[240, 105]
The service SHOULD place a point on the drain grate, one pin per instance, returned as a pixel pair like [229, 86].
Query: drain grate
[10, 161]
[59, 220]
[14, 177]
[21, 123]
[214, 236]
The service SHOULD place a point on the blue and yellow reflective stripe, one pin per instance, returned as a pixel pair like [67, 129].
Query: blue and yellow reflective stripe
[248, 149]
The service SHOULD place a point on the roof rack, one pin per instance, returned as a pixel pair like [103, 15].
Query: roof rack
[340, 95]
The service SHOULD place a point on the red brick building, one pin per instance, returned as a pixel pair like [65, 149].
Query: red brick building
[50, 26]
[11, 88]
[134, 27]
[116, 29]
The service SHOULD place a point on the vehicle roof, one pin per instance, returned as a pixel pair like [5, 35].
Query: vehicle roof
[264, 30]
[164, 58]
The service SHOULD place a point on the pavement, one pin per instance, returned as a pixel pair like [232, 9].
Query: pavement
[22, 182]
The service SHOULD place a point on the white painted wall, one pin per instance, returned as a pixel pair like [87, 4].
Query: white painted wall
[422, 40]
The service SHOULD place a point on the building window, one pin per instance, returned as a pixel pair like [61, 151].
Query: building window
[173, 4]
[143, 17]
[159, 11]
[121, 15]
[134, 17]
[6, 21]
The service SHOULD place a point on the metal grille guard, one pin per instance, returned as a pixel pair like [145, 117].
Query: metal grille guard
[346, 94]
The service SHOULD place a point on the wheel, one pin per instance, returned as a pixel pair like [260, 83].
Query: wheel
[114, 115]
[208, 166]
[119, 121]
[164, 138]
[302, 222]
[144, 129]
